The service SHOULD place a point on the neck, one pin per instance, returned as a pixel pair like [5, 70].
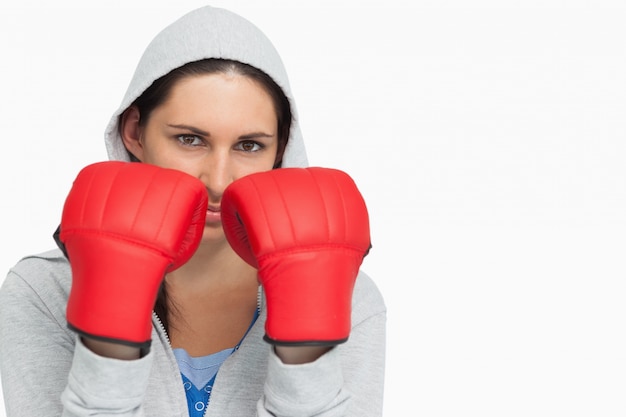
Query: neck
[217, 284]
[214, 265]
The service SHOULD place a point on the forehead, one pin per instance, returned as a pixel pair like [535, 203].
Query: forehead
[218, 98]
[217, 84]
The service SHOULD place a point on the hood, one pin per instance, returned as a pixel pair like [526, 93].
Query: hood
[207, 32]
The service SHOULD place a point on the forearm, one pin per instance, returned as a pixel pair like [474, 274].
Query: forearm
[98, 385]
[346, 381]
[111, 350]
[314, 388]
[293, 355]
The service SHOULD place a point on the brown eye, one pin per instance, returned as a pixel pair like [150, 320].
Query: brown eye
[189, 140]
[250, 146]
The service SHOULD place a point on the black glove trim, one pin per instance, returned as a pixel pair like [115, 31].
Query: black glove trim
[304, 342]
[144, 347]
[57, 238]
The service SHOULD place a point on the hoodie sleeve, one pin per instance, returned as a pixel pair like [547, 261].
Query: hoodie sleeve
[35, 348]
[346, 381]
[105, 386]
[315, 389]
[45, 370]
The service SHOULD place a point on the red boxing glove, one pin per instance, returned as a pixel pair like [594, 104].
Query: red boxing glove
[306, 230]
[124, 226]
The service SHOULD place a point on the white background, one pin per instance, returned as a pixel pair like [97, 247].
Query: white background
[488, 138]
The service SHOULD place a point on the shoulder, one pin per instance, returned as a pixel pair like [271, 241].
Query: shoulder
[42, 279]
[41, 271]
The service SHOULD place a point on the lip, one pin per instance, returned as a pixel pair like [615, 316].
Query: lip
[213, 214]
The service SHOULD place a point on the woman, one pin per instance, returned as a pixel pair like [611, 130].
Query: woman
[210, 99]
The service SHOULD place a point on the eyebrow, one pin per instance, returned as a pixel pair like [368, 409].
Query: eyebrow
[256, 135]
[200, 132]
[191, 129]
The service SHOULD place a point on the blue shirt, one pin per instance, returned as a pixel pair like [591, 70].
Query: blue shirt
[199, 373]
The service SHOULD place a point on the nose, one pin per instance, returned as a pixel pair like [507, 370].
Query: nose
[217, 174]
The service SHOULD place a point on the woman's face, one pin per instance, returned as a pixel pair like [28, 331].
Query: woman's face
[216, 127]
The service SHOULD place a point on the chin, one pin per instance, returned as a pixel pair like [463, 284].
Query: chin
[213, 233]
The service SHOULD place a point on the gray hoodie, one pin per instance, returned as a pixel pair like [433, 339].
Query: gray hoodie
[47, 371]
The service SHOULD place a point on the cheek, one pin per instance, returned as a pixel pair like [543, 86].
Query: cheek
[246, 167]
[165, 158]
